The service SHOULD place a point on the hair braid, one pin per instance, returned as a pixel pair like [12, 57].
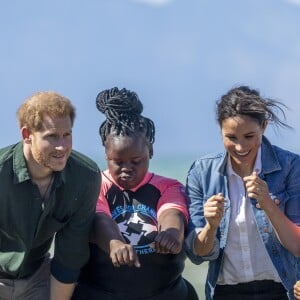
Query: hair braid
[122, 109]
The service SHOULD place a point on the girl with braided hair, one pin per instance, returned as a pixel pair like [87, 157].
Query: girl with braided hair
[136, 244]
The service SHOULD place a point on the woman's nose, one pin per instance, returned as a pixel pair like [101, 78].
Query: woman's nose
[240, 147]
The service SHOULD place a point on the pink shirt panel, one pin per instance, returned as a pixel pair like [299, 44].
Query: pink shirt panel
[172, 193]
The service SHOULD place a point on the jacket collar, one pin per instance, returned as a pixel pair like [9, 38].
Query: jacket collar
[269, 159]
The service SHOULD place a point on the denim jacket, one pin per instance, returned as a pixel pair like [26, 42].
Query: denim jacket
[207, 177]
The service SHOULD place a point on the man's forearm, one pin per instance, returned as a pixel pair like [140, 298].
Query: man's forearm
[60, 291]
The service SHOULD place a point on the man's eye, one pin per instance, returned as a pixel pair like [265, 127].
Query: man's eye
[231, 137]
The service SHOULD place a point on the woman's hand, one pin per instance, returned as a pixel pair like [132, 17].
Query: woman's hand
[297, 290]
[214, 210]
[213, 213]
[258, 189]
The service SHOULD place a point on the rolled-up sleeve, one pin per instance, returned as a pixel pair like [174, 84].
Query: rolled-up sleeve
[71, 249]
[190, 249]
[197, 220]
[292, 206]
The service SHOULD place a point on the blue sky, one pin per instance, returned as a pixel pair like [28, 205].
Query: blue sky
[179, 56]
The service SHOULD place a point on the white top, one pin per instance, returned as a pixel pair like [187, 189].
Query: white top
[245, 256]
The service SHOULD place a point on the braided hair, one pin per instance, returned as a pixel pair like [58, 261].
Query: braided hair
[122, 109]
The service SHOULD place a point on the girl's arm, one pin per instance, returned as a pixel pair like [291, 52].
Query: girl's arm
[171, 226]
[107, 236]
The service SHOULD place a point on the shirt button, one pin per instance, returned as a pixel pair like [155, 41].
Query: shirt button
[266, 230]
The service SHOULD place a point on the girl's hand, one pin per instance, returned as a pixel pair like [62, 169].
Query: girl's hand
[168, 241]
[123, 254]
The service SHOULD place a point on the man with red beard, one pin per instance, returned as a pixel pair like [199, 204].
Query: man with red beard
[46, 189]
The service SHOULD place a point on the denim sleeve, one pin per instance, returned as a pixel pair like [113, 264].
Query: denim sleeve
[190, 250]
[195, 194]
[197, 220]
[292, 208]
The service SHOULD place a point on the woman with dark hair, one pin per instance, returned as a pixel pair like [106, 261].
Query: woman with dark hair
[136, 248]
[244, 204]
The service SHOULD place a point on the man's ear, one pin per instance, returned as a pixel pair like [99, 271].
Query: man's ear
[26, 135]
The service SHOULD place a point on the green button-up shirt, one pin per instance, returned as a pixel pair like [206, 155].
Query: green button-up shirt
[27, 230]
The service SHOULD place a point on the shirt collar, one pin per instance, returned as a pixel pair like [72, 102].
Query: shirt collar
[20, 170]
[19, 164]
[146, 179]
